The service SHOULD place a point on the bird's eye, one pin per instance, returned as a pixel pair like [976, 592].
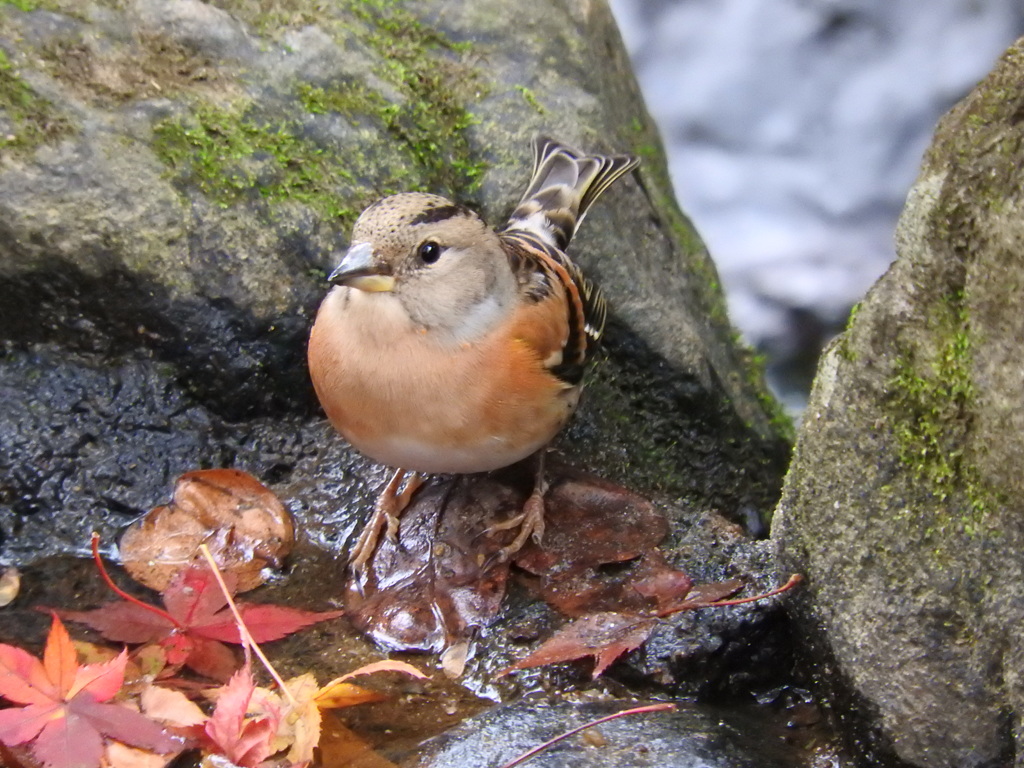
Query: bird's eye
[429, 252]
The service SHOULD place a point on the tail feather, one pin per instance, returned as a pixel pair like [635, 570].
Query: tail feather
[565, 183]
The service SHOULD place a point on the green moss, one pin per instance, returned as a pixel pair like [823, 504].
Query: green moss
[933, 397]
[658, 187]
[232, 154]
[425, 119]
[34, 120]
[232, 157]
[67, 7]
[755, 363]
[351, 100]
[273, 17]
[531, 98]
[845, 350]
[430, 124]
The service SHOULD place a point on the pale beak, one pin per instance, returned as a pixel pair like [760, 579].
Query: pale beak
[358, 269]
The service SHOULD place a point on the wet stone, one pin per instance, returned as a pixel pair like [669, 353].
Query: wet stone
[692, 736]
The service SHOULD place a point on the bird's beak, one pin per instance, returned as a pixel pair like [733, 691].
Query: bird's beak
[358, 269]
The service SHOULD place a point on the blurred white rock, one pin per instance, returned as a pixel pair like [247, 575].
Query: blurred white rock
[794, 130]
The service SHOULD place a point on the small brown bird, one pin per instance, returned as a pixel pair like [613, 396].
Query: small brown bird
[448, 347]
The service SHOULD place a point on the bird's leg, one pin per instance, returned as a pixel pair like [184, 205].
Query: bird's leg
[386, 511]
[531, 519]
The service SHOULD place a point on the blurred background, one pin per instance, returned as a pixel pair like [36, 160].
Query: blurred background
[794, 130]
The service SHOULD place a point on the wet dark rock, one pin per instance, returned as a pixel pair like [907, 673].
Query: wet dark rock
[904, 502]
[690, 736]
[173, 189]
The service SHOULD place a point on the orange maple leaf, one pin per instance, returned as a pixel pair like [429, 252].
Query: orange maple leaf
[63, 715]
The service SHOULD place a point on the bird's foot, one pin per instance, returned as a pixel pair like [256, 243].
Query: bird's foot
[386, 513]
[530, 522]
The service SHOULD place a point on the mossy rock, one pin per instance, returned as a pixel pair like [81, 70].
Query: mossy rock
[169, 244]
[904, 505]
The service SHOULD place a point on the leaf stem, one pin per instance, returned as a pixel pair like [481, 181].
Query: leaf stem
[661, 707]
[794, 579]
[120, 592]
[243, 630]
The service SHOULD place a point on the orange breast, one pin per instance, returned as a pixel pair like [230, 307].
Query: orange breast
[406, 400]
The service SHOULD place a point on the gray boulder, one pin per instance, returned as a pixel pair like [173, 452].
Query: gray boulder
[177, 178]
[903, 505]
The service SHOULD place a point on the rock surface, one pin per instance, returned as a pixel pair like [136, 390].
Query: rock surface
[903, 505]
[691, 737]
[176, 178]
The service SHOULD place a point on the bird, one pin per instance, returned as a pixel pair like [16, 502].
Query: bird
[446, 346]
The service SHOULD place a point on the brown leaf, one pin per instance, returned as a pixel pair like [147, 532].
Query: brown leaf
[591, 522]
[644, 586]
[604, 636]
[244, 524]
[341, 748]
[702, 594]
[428, 590]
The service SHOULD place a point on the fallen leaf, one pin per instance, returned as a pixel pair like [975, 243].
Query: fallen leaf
[63, 715]
[591, 522]
[340, 747]
[118, 755]
[170, 707]
[229, 731]
[299, 725]
[607, 635]
[602, 636]
[642, 586]
[440, 579]
[700, 596]
[298, 728]
[242, 522]
[197, 622]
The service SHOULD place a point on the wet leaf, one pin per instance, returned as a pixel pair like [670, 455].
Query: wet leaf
[701, 596]
[441, 579]
[341, 748]
[118, 755]
[607, 635]
[601, 636]
[170, 707]
[229, 731]
[300, 710]
[428, 590]
[242, 522]
[197, 623]
[64, 715]
[591, 522]
[643, 586]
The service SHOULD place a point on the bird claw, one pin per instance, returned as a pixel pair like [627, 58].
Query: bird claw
[531, 526]
[386, 512]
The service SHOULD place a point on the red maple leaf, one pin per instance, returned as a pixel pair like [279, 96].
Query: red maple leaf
[196, 623]
[62, 714]
[245, 741]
